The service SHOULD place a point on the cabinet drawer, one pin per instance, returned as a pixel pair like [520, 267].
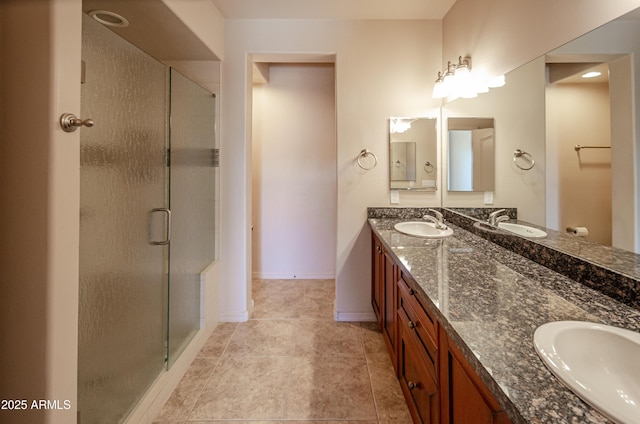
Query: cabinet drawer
[417, 377]
[423, 347]
[425, 324]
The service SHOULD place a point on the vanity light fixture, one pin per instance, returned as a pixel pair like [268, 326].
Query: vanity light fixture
[458, 80]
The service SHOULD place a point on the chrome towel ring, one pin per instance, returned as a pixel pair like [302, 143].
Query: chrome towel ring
[429, 167]
[363, 154]
[526, 156]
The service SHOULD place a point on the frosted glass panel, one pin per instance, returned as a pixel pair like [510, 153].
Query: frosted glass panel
[122, 316]
[192, 205]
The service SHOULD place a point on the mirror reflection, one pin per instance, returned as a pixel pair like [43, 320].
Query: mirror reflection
[413, 154]
[471, 154]
[580, 132]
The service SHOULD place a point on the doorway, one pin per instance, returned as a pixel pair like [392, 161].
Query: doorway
[579, 123]
[294, 181]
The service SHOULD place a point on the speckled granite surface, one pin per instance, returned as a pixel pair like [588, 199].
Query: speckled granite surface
[490, 300]
[611, 271]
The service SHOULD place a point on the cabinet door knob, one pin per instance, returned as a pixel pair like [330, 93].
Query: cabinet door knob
[413, 385]
[412, 324]
[412, 292]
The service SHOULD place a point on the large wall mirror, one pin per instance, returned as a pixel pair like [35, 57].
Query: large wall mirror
[581, 133]
[413, 154]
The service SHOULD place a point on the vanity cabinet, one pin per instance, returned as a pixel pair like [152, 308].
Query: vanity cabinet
[383, 298]
[438, 383]
[465, 399]
[417, 356]
[377, 277]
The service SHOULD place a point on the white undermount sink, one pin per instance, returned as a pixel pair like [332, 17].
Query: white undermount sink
[599, 363]
[522, 230]
[422, 229]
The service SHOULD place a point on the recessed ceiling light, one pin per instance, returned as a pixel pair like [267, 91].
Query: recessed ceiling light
[109, 18]
[592, 74]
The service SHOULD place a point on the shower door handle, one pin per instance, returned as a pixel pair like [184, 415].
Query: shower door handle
[167, 239]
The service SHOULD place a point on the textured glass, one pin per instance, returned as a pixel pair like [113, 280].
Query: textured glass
[122, 313]
[193, 158]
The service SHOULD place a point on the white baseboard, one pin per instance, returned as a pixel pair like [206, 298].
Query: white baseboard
[292, 276]
[235, 317]
[354, 316]
[157, 395]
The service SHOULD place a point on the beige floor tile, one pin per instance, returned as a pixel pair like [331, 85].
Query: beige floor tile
[331, 422]
[329, 388]
[290, 364]
[390, 402]
[219, 339]
[234, 422]
[262, 338]
[244, 388]
[285, 306]
[177, 408]
[328, 338]
[372, 340]
[262, 289]
[320, 289]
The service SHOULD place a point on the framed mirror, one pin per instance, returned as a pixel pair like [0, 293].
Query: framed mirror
[413, 154]
[471, 154]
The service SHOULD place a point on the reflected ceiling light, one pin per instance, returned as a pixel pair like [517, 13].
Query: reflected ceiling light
[400, 125]
[109, 18]
[591, 74]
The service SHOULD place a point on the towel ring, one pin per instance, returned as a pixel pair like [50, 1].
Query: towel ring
[522, 154]
[363, 154]
[429, 167]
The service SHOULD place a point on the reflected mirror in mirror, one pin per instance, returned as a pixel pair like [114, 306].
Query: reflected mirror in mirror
[471, 157]
[413, 154]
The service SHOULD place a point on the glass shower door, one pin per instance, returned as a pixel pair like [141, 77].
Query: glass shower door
[193, 161]
[122, 313]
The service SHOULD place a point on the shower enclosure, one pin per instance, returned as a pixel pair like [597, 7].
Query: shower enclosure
[146, 220]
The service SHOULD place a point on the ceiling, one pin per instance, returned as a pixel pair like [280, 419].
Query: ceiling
[333, 9]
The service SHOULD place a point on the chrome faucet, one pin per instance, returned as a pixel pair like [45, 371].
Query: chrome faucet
[438, 219]
[495, 218]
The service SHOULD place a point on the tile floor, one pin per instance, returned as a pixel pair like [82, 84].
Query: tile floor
[290, 362]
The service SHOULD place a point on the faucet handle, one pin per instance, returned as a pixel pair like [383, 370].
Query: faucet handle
[494, 213]
[436, 213]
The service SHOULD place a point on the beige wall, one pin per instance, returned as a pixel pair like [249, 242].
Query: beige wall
[294, 173]
[39, 170]
[383, 69]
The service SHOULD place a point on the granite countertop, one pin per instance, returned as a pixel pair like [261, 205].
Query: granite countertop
[490, 301]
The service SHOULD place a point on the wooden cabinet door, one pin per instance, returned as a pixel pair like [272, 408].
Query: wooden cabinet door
[417, 377]
[389, 308]
[465, 399]
[377, 277]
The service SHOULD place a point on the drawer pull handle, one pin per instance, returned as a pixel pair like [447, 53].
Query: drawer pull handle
[412, 292]
[412, 324]
[413, 385]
